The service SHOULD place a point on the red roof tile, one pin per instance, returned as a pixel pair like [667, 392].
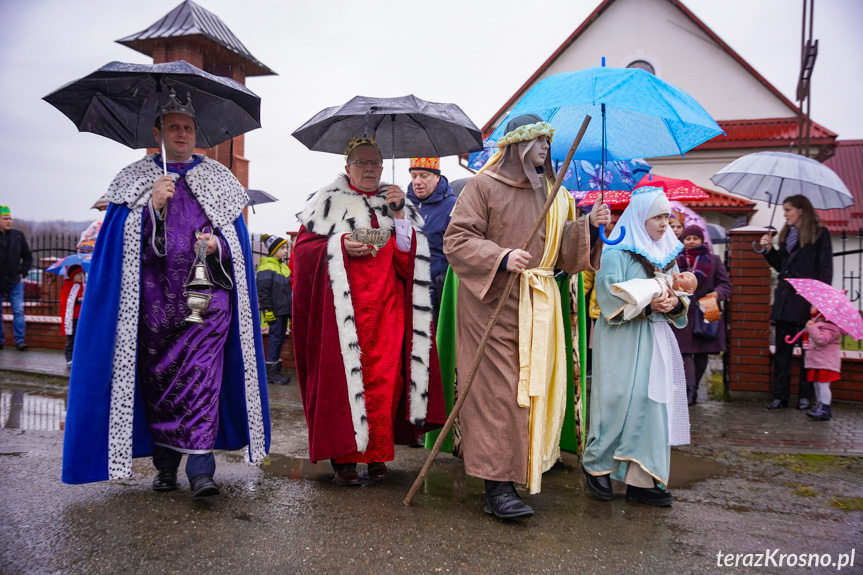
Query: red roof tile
[719, 202]
[847, 162]
[767, 132]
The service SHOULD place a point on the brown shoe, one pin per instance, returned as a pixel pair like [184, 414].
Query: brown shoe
[347, 476]
[377, 470]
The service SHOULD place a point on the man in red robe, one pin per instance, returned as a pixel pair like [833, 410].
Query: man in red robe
[362, 320]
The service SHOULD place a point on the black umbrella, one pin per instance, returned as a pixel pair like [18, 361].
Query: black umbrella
[458, 185]
[405, 127]
[259, 197]
[120, 101]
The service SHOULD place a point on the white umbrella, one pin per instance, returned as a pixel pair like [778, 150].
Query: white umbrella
[775, 176]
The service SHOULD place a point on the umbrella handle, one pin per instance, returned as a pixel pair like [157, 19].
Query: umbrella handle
[756, 246]
[608, 241]
[789, 339]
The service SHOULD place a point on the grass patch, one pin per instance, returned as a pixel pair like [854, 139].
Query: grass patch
[802, 462]
[847, 503]
[804, 491]
[715, 388]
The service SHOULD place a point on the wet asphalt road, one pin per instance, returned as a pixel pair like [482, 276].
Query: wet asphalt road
[288, 517]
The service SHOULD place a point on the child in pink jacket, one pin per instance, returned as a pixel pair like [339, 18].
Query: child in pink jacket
[823, 362]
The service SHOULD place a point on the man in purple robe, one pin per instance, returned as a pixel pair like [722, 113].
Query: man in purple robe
[195, 387]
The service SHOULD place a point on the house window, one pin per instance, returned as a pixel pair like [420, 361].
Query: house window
[643, 65]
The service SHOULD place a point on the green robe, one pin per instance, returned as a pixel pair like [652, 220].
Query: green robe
[625, 425]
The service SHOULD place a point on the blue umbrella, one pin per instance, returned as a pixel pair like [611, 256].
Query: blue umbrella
[642, 116]
[582, 176]
[61, 267]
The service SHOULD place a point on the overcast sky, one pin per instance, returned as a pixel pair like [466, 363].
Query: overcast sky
[475, 54]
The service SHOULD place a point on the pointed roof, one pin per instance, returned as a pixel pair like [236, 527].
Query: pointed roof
[186, 20]
[603, 6]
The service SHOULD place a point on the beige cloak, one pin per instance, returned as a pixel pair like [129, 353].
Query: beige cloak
[493, 216]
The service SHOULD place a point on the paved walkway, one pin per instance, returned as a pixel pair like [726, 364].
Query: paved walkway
[741, 423]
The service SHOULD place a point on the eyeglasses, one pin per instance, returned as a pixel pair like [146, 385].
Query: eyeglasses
[363, 164]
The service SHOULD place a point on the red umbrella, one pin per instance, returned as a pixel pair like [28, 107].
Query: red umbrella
[616, 199]
[680, 190]
[833, 304]
[675, 189]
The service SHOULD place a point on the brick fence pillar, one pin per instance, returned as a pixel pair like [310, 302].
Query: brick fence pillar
[748, 313]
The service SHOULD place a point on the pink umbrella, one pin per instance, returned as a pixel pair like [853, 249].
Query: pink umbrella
[831, 303]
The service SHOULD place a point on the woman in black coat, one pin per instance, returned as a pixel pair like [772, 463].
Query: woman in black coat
[804, 251]
[712, 279]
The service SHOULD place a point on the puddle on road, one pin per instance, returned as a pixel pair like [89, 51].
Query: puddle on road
[32, 410]
[685, 471]
[688, 469]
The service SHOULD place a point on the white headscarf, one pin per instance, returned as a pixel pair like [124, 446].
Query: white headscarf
[641, 208]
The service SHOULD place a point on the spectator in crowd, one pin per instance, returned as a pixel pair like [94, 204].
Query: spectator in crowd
[823, 361]
[804, 251]
[15, 262]
[274, 300]
[697, 340]
[70, 307]
[430, 191]
[677, 223]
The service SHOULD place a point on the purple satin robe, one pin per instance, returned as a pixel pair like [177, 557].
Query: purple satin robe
[180, 364]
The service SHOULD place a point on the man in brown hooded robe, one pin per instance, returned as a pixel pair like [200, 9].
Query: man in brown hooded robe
[511, 421]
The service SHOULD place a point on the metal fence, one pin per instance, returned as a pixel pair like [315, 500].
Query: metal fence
[41, 287]
[47, 249]
[849, 262]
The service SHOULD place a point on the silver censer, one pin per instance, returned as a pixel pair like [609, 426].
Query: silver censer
[198, 279]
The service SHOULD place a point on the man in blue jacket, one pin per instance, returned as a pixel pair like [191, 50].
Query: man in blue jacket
[431, 192]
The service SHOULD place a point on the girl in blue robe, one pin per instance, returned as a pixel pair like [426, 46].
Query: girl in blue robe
[638, 387]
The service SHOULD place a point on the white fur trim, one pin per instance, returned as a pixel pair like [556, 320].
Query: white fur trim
[348, 341]
[254, 411]
[125, 353]
[336, 210]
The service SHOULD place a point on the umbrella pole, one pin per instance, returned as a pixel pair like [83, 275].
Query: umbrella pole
[464, 388]
[622, 233]
[162, 142]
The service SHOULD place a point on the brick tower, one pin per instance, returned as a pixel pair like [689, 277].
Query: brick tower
[191, 33]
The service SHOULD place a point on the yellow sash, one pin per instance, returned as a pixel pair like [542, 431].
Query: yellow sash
[541, 347]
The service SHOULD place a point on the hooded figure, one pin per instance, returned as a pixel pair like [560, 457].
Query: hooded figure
[638, 396]
[511, 422]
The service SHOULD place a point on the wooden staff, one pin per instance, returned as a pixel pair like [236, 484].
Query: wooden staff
[464, 387]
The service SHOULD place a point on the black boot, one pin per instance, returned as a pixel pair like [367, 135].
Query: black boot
[274, 373]
[165, 480]
[502, 501]
[651, 496]
[598, 486]
[286, 379]
[203, 486]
